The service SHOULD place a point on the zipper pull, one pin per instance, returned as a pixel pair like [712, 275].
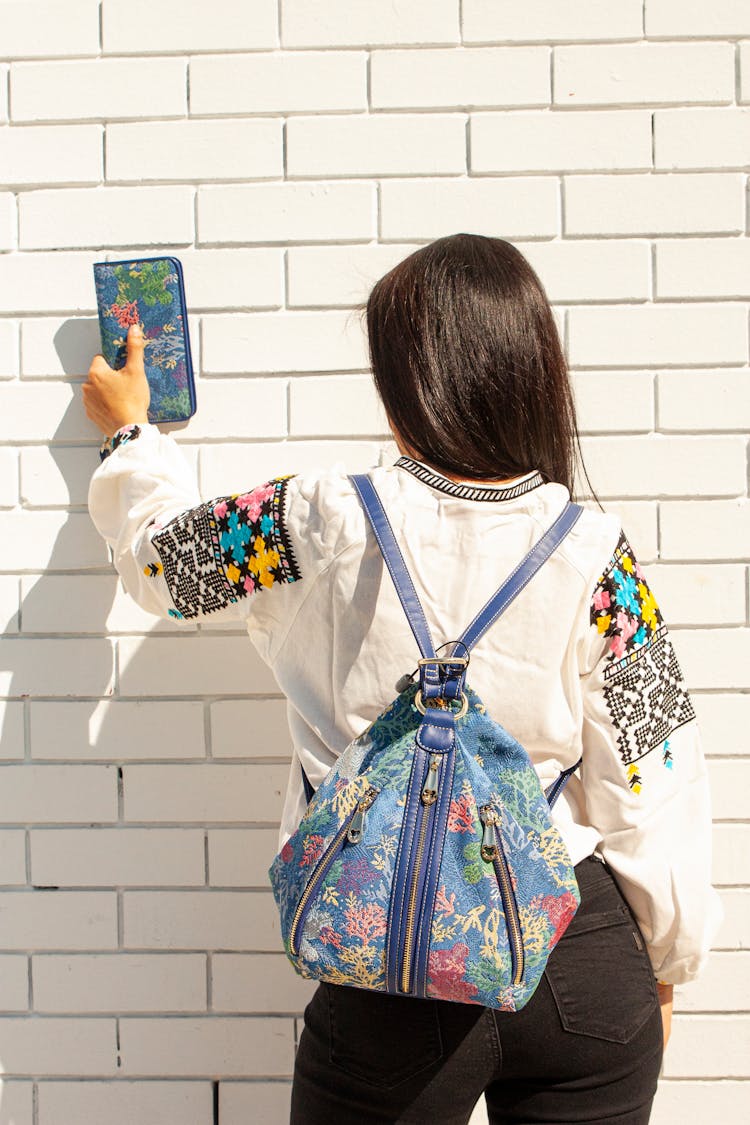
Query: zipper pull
[490, 819]
[430, 791]
[357, 823]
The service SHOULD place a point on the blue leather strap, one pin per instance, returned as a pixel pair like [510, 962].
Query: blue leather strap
[394, 560]
[522, 575]
[553, 791]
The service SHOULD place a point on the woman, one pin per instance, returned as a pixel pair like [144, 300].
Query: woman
[467, 361]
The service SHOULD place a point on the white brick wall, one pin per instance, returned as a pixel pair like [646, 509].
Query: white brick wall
[290, 152]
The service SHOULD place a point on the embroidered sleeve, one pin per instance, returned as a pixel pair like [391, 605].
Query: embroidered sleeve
[220, 552]
[643, 685]
[125, 433]
[644, 776]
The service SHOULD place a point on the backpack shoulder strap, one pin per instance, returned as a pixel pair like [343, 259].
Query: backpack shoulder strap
[394, 560]
[522, 575]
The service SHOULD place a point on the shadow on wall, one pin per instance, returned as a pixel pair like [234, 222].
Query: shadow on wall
[80, 766]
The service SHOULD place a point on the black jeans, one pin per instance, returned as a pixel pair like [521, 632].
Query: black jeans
[586, 1048]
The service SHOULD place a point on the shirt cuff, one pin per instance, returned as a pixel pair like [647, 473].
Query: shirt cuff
[119, 437]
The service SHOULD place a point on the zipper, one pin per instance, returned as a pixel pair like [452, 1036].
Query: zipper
[352, 829]
[492, 852]
[428, 797]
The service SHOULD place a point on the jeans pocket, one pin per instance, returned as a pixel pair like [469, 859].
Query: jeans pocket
[601, 977]
[379, 1038]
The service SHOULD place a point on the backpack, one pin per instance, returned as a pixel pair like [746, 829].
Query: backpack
[426, 863]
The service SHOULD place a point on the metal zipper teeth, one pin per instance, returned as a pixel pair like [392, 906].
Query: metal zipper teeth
[409, 933]
[325, 862]
[512, 920]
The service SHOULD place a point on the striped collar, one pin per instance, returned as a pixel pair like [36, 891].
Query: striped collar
[435, 479]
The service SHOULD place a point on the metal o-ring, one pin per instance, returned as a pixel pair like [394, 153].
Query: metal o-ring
[457, 714]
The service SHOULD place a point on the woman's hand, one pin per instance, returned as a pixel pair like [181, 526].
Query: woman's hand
[665, 992]
[118, 398]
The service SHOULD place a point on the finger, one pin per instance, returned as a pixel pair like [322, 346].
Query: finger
[99, 366]
[135, 344]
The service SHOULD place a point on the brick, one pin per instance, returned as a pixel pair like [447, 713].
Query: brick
[595, 270]
[263, 460]
[379, 145]
[243, 982]
[60, 919]
[39, 1045]
[204, 792]
[644, 73]
[34, 413]
[705, 400]
[68, 283]
[692, 529]
[192, 666]
[32, 28]
[81, 604]
[338, 275]
[239, 408]
[702, 1101]
[240, 857]
[55, 667]
[727, 803]
[59, 540]
[708, 1047]
[703, 267]
[8, 604]
[744, 59]
[336, 23]
[657, 334]
[18, 1102]
[208, 919]
[279, 82]
[731, 866]
[708, 594]
[12, 857]
[665, 465]
[473, 77]
[14, 986]
[683, 203]
[250, 729]
[702, 138]
[119, 982]
[551, 20]
[287, 341]
[53, 477]
[357, 410]
[51, 154]
[676, 18]
[8, 348]
[520, 207]
[194, 150]
[715, 658]
[58, 794]
[99, 89]
[120, 731]
[316, 212]
[264, 1103]
[213, 1045]
[735, 929]
[596, 390]
[104, 857]
[8, 478]
[233, 279]
[723, 720]
[100, 217]
[181, 25]
[54, 348]
[3, 94]
[11, 730]
[122, 1103]
[723, 986]
[547, 142]
[8, 222]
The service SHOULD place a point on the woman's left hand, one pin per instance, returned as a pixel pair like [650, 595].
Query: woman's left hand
[665, 992]
[118, 398]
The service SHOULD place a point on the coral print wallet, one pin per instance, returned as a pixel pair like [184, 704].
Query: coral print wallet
[149, 292]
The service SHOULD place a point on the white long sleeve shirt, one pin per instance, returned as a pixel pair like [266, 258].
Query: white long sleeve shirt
[581, 664]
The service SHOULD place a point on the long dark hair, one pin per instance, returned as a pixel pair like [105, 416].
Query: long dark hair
[468, 363]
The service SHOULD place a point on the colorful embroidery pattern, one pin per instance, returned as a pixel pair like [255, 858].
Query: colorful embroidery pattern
[123, 435]
[643, 684]
[224, 550]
